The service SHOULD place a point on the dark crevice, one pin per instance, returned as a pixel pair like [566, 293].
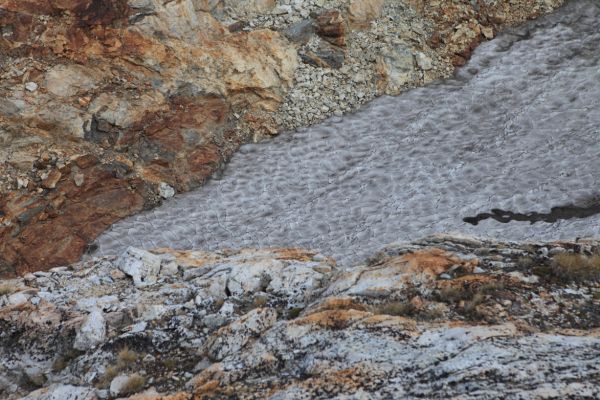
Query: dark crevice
[561, 212]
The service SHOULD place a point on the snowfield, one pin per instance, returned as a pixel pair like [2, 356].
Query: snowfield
[517, 129]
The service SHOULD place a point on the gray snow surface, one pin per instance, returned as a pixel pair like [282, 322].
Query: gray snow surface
[518, 128]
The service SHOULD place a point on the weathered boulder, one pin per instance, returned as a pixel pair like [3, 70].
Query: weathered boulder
[397, 68]
[142, 266]
[92, 332]
[362, 12]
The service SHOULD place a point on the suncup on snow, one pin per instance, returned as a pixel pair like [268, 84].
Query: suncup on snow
[517, 130]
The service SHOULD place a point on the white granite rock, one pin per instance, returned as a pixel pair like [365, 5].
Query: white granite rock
[165, 190]
[141, 265]
[92, 332]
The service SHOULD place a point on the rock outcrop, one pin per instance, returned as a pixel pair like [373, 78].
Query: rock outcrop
[107, 107]
[441, 317]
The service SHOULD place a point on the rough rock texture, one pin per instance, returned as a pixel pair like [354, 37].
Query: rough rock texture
[106, 107]
[131, 96]
[441, 317]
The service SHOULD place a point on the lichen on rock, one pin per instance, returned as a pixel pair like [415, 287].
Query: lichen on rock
[441, 316]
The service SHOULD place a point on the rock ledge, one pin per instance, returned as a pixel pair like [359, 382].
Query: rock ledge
[442, 316]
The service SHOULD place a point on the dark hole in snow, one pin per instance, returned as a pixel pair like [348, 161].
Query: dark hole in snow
[556, 213]
[90, 248]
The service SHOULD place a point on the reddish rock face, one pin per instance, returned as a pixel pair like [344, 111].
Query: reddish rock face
[118, 105]
[53, 228]
[461, 25]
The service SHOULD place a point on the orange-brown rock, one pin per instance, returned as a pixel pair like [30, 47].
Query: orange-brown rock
[54, 228]
[461, 26]
[362, 12]
[119, 101]
[339, 303]
[332, 26]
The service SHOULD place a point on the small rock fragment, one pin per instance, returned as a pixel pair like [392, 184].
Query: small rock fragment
[17, 299]
[169, 268]
[424, 61]
[31, 86]
[416, 302]
[488, 32]
[123, 384]
[78, 178]
[165, 190]
[22, 183]
[52, 179]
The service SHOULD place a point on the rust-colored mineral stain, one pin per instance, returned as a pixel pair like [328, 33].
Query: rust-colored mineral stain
[434, 261]
[333, 319]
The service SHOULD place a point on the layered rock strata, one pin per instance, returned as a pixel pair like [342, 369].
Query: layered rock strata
[108, 107]
[441, 317]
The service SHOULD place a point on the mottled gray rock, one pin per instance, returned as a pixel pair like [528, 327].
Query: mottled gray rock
[93, 303]
[232, 338]
[300, 32]
[165, 191]
[141, 265]
[92, 332]
[398, 64]
[62, 392]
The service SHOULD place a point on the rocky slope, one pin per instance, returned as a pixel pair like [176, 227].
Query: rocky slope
[441, 317]
[107, 107]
